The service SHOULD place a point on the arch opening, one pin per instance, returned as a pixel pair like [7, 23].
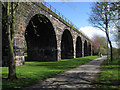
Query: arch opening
[89, 49]
[67, 45]
[41, 39]
[85, 48]
[78, 47]
[5, 42]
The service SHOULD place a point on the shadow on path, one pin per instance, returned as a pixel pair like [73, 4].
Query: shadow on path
[80, 77]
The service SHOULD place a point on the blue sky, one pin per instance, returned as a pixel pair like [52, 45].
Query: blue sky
[78, 14]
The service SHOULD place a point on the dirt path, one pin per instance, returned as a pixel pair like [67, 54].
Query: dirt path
[80, 77]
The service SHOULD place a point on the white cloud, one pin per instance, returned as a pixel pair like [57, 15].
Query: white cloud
[115, 44]
[91, 31]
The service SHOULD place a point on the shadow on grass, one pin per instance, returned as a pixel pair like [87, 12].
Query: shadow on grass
[111, 83]
[63, 64]
[106, 68]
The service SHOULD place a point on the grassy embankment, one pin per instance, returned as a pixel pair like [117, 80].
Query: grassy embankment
[33, 72]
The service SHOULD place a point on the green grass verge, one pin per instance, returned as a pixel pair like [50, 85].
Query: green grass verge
[109, 76]
[33, 72]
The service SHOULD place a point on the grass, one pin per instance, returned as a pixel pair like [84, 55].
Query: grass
[33, 72]
[109, 76]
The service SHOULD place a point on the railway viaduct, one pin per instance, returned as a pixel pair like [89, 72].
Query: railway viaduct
[48, 36]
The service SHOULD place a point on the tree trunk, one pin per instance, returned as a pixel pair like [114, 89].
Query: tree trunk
[12, 67]
[111, 55]
[107, 34]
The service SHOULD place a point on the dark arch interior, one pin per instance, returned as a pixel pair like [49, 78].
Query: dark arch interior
[67, 45]
[85, 48]
[5, 42]
[41, 39]
[78, 47]
[89, 49]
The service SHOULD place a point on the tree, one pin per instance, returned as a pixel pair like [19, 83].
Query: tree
[116, 11]
[96, 46]
[101, 18]
[99, 44]
[8, 24]
[8, 18]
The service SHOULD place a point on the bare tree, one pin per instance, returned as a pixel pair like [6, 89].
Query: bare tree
[101, 17]
[8, 18]
[8, 24]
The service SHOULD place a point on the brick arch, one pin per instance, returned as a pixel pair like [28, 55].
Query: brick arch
[47, 15]
[67, 48]
[41, 39]
[66, 28]
[30, 15]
